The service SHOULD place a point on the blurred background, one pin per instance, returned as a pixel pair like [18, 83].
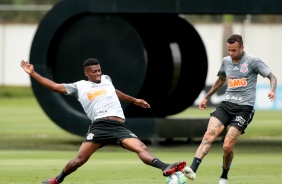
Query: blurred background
[20, 19]
[32, 147]
[262, 37]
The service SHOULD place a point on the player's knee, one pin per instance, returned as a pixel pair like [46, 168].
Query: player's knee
[143, 147]
[227, 149]
[79, 161]
[209, 136]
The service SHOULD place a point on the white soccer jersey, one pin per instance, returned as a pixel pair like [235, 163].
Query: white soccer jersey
[97, 99]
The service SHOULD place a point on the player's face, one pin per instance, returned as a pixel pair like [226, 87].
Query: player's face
[235, 51]
[93, 73]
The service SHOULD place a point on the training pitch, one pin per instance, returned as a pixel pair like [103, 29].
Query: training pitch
[33, 148]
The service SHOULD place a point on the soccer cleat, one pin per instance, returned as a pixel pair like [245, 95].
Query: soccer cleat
[223, 181]
[50, 181]
[189, 173]
[172, 168]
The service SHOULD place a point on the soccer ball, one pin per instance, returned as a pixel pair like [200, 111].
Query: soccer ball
[176, 178]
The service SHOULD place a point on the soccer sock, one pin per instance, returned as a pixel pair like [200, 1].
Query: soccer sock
[195, 164]
[224, 173]
[60, 178]
[158, 164]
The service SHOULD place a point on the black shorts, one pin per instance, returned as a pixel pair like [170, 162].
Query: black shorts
[108, 131]
[234, 115]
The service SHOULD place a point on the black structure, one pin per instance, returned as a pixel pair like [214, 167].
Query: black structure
[145, 46]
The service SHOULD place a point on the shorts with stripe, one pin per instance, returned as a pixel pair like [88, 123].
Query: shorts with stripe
[232, 114]
[108, 131]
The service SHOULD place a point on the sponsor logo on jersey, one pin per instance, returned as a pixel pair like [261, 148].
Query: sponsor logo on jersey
[228, 97]
[235, 83]
[235, 68]
[101, 112]
[93, 94]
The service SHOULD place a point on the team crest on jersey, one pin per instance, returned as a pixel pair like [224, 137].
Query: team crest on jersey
[244, 68]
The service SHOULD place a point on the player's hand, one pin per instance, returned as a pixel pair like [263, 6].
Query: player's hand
[203, 104]
[271, 96]
[27, 67]
[142, 103]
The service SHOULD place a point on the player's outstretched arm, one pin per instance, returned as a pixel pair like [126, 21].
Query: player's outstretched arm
[218, 83]
[273, 84]
[140, 102]
[29, 69]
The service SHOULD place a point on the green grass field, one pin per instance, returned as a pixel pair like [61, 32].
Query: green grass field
[32, 148]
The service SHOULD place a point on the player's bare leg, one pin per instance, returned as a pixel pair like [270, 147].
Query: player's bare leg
[215, 127]
[228, 146]
[148, 158]
[84, 153]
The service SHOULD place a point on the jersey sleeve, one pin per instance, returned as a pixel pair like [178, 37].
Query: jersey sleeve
[71, 88]
[108, 78]
[221, 72]
[261, 68]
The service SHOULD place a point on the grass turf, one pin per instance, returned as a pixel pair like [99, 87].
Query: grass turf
[117, 166]
[33, 148]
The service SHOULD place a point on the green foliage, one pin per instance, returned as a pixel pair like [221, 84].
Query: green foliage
[24, 16]
[36, 16]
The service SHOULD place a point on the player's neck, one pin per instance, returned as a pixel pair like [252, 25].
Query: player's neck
[236, 61]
